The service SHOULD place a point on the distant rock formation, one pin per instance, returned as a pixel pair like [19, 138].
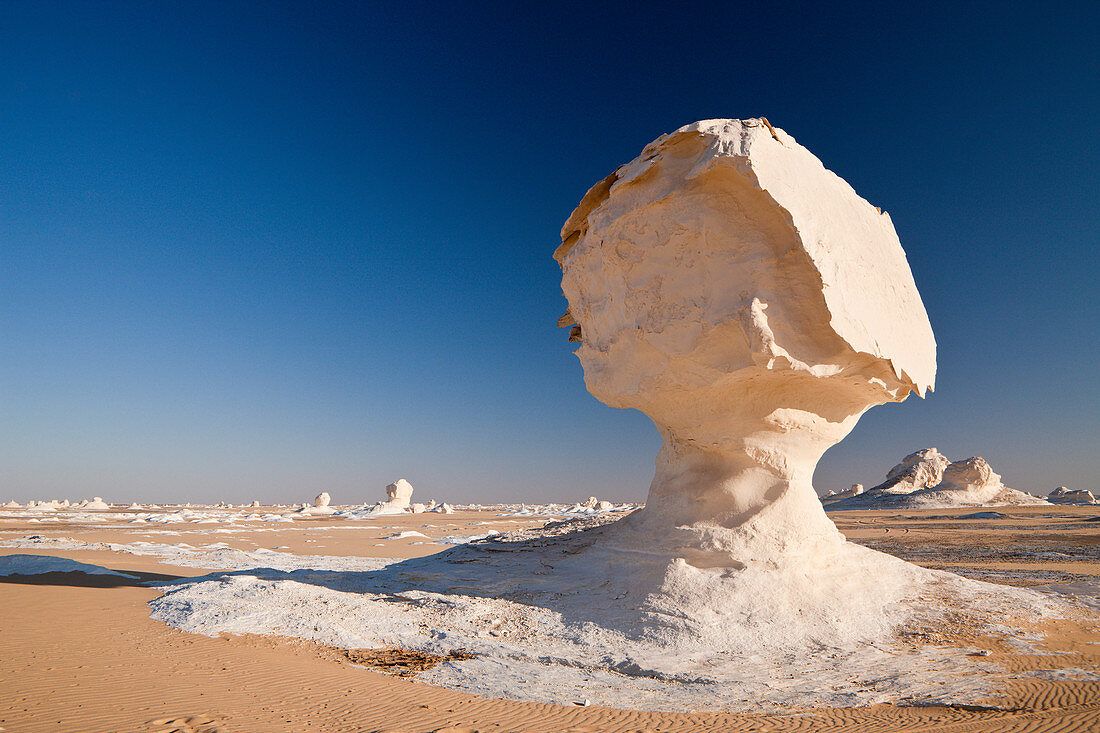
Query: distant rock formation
[927, 479]
[398, 500]
[400, 493]
[95, 505]
[322, 499]
[855, 490]
[592, 505]
[1066, 495]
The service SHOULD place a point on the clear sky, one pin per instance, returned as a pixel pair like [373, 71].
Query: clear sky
[257, 250]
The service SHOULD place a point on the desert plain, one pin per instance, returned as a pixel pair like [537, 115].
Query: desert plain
[80, 652]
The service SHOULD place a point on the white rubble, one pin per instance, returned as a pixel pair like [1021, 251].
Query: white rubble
[927, 479]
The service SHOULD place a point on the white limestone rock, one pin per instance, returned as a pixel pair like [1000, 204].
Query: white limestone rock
[973, 482]
[928, 480]
[13, 504]
[1066, 495]
[921, 470]
[854, 490]
[398, 501]
[400, 492]
[95, 505]
[322, 499]
[753, 306]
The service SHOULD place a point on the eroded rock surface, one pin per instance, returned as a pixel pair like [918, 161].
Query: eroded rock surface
[927, 479]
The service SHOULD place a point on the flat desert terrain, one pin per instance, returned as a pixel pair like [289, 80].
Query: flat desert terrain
[80, 653]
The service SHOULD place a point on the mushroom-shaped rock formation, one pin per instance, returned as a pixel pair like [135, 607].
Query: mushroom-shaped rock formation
[400, 493]
[753, 306]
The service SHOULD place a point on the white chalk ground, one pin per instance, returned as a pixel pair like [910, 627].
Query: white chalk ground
[54, 512]
[534, 639]
[217, 556]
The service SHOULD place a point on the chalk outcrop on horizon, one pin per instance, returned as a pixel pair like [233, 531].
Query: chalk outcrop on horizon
[1066, 495]
[927, 479]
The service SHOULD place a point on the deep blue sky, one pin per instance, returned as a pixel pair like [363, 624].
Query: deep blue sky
[257, 250]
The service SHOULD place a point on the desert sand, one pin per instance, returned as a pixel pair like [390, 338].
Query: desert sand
[81, 653]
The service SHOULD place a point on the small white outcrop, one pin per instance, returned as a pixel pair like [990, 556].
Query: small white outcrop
[1066, 495]
[96, 505]
[591, 505]
[320, 505]
[855, 490]
[398, 501]
[13, 504]
[400, 493]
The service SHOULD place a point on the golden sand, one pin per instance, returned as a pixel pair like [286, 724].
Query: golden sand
[80, 653]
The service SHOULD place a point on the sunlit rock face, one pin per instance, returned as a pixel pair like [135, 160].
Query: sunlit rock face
[928, 479]
[399, 493]
[752, 305]
[1066, 495]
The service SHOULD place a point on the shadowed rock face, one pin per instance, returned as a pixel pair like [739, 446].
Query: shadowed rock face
[752, 305]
